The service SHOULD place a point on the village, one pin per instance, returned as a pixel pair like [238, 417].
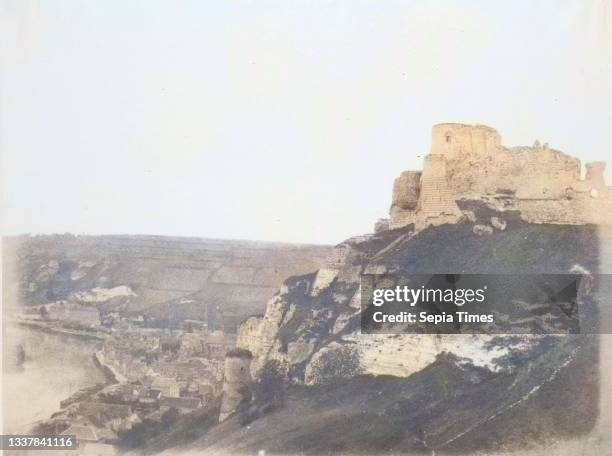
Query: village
[153, 375]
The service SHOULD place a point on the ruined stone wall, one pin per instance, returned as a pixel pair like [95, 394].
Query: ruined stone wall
[529, 172]
[406, 192]
[437, 203]
[248, 334]
[577, 211]
[338, 256]
[469, 162]
[595, 178]
[401, 217]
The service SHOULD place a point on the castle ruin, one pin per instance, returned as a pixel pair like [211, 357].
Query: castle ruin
[237, 382]
[469, 162]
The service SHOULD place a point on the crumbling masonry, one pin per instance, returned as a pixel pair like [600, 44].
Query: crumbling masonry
[468, 162]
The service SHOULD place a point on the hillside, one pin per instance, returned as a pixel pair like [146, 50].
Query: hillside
[166, 279]
[346, 392]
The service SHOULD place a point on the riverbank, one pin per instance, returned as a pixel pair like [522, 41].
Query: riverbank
[56, 366]
[45, 327]
[112, 374]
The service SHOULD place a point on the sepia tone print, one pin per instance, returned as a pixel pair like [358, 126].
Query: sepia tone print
[198, 201]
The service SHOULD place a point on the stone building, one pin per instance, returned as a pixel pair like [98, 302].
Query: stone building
[168, 386]
[237, 381]
[469, 162]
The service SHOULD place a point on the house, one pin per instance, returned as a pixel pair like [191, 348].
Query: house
[216, 345]
[168, 386]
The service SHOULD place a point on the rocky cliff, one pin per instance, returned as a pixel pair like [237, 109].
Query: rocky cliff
[337, 390]
[315, 318]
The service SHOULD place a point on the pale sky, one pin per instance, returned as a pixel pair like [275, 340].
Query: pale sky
[275, 120]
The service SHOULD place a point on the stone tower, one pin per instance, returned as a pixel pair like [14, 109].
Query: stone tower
[237, 381]
[456, 141]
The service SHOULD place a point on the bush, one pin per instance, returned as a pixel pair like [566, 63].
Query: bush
[270, 384]
[335, 364]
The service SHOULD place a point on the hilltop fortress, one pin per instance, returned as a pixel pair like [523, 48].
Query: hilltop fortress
[469, 162]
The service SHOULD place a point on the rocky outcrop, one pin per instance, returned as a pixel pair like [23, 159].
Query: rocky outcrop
[311, 317]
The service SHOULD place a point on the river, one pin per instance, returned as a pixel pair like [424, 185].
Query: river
[55, 367]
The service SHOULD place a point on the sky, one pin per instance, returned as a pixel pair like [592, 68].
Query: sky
[275, 120]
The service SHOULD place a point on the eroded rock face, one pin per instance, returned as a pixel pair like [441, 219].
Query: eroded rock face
[323, 279]
[305, 331]
[249, 334]
[299, 351]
